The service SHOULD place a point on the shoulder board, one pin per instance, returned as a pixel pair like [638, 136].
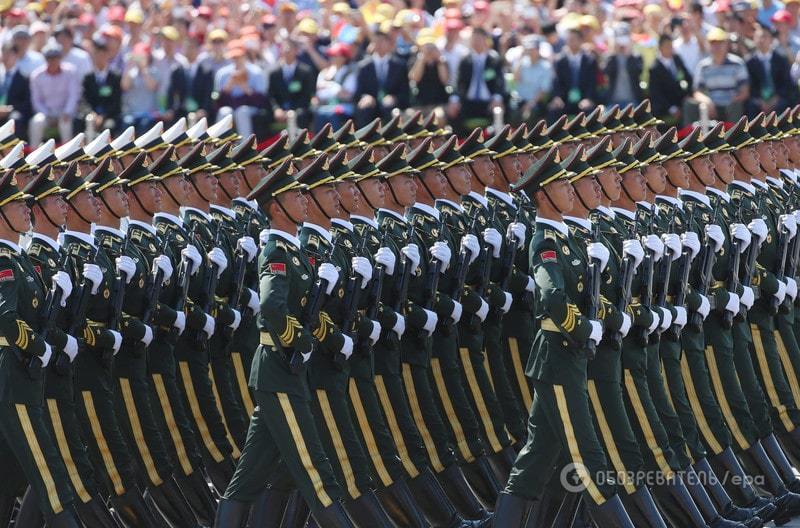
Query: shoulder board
[6, 252]
[34, 249]
[550, 234]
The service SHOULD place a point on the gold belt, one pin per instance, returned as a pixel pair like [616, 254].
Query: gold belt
[266, 339]
[718, 284]
[97, 324]
[549, 326]
[4, 342]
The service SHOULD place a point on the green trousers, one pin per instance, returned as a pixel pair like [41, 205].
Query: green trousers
[514, 412]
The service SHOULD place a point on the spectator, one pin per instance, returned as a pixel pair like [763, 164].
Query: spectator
[102, 89]
[27, 59]
[15, 91]
[575, 84]
[767, 10]
[336, 85]
[55, 91]
[480, 85]
[771, 86]
[691, 45]
[721, 81]
[291, 86]
[451, 47]
[381, 83]
[429, 74]
[202, 75]
[623, 70]
[73, 55]
[311, 45]
[534, 78]
[787, 40]
[670, 83]
[165, 60]
[140, 88]
[242, 89]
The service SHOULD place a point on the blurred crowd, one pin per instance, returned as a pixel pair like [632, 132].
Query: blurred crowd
[273, 64]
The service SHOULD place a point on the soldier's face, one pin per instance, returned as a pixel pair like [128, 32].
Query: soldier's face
[149, 193]
[18, 215]
[611, 182]
[349, 195]
[208, 185]
[374, 190]
[55, 207]
[634, 183]
[525, 161]
[677, 173]
[295, 204]
[703, 169]
[793, 144]
[484, 168]
[749, 159]
[766, 156]
[562, 195]
[511, 168]
[253, 173]
[656, 177]
[87, 204]
[434, 180]
[178, 186]
[116, 200]
[588, 190]
[405, 189]
[24, 178]
[781, 154]
[723, 166]
[231, 182]
[460, 179]
[328, 200]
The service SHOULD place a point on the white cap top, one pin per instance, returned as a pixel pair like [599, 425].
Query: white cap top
[70, 147]
[198, 128]
[12, 157]
[7, 129]
[98, 143]
[150, 135]
[124, 138]
[42, 153]
[174, 131]
[221, 126]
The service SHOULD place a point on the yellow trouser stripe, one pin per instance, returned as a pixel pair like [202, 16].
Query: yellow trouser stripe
[174, 432]
[241, 381]
[666, 385]
[416, 411]
[477, 395]
[302, 450]
[394, 428]
[447, 403]
[488, 369]
[138, 434]
[366, 431]
[608, 438]
[338, 444]
[519, 372]
[644, 423]
[574, 449]
[788, 367]
[102, 444]
[694, 402]
[38, 458]
[763, 366]
[197, 414]
[66, 453]
[716, 381]
[235, 453]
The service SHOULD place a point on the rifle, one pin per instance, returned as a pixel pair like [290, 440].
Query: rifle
[643, 338]
[665, 274]
[431, 284]
[753, 250]
[155, 286]
[239, 270]
[780, 272]
[352, 297]
[375, 293]
[508, 257]
[595, 279]
[486, 274]
[733, 274]
[79, 313]
[706, 270]
[49, 317]
[628, 272]
[209, 288]
[674, 332]
[184, 276]
[401, 287]
[462, 266]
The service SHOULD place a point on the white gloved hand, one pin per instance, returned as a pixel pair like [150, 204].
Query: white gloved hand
[126, 267]
[163, 263]
[93, 274]
[715, 234]
[64, 283]
[742, 234]
[411, 252]
[655, 245]
[210, 326]
[71, 348]
[781, 293]
[597, 331]
[633, 248]
[117, 341]
[704, 308]
[796, 216]
[759, 228]
[375, 334]
[691, 242]
[656, 322]
[666, 319]
[191, 254]
[672, 245]
[509, 300]
[492, 237]
[788, 222]
[180, 322]
[732, 305]
[598, 251]
[399, 327]
[347, 347]
[748, 297]
[363, 268]
[147, 338]
[237, 319]
[456, 313]
[483, 311]
[329, 274]
[791, 289]
[385, 257]
[248, 245]
[470, 243]
[530, 286]
[430, 322]
[263, 236]
[253, 302]
[217, 256]
[626, 324]
[441, 252]
[517, 230]
[46, 355]
[680, 316]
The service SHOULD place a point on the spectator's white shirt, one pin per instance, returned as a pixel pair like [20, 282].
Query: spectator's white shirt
[80, 60]
[164, 65]
[689, 52]
[453, 57]
[29, 62]
[55, 95]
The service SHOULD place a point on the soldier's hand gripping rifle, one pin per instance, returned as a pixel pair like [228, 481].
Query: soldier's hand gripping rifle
[595, 280]
[486, 274]
[375, 293]
[753, 250]
[642, 337]
[780, 268]
[401, 286]
[665, 275]
[628, 272]
[50, 314]
[732, 284]
[119, 299]
[352, 298]
[706, 271]
[462, 266]
[156, 283]
[434, 272]
[184, 279]
[508, 256]
[209, 289]
[239, 271]
[78, 320]
[674, 332]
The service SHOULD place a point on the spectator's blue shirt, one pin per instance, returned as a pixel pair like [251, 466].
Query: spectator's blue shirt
[256, 80]
[764, 16]
[534, 78]
[721, 82]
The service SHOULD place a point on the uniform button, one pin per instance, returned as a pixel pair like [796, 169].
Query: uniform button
[564, 343]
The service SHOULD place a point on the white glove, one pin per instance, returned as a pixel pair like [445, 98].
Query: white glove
[691, 242]
[47, 355]
[666, 319]
[733, 304]
[492, 237]
[626, 324]
[263, 236]
[748, 297]
[217, 256]
[796, 216]
[672, 242]
[329, 274]
[716, 235]
[633, 248]
[759, 228]
[680, 316]
[385, 257]
[375, 334]
[781, 293]
[530, 286]
[741, 233]
[654, 244]
[517, 230]
[64, 283]
[509, 300]
[791, 288]
[126, 266]
[93, 274]
[411, 252]
[473, 247]
[117, 341]
[656, 322]
[788, 222]
[456, 314]
[210, 326]
[704, 307]
[483, 311]
[430, 322]
[237, 319]
[363, 268]
[598, 251]
[597, 331]
[180, 322]
[71, 348]
[253, 303]
[399, 327]
[248, 245]
[441, 252]
[191, 254]
[163, 263]
[347, 347]
[148, 335]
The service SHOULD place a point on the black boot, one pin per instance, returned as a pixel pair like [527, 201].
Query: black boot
[704, 502]
[297, 511]
[95, 513]
[29, 513]
[610, 514]
[547, 507]
[482, 479]
[231, 514]
[398, 502]
[642, 509]
[456, 487]
[220, 474]
[739, 485]
[510, 510]
[65, 519]
[502, 463]
[788, 503]
[333, 516]
[433, 501]
[171, 503]
[197, 493]
[677, 504]
[569, 511]
[781, 463]
[133, 511]
[724, 503]
[366, 511]
[268, 508]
